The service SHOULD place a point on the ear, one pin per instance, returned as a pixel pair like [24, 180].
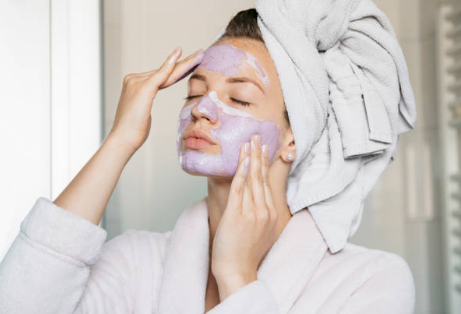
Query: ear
[288, 151]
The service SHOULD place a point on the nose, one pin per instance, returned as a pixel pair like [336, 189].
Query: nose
[206, 108]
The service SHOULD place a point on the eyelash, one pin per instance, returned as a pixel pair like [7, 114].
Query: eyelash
[243, 103]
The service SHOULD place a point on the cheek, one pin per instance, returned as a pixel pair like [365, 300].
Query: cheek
[184, 120]
[236, 130]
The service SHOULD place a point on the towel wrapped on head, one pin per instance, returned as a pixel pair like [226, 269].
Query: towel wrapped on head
[348, 95]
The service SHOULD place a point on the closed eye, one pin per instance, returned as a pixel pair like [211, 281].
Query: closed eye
[243, 103]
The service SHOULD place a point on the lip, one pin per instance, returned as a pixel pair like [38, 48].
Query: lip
[198, 139]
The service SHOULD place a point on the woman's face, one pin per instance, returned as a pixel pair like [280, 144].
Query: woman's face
[233, 94]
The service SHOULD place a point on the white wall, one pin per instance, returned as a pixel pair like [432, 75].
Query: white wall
[50, 105]
[25, 111]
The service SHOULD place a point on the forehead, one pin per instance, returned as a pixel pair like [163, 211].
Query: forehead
[233, 56]
[251, 46]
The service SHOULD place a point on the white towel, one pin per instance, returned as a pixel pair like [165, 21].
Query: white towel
[348, 95]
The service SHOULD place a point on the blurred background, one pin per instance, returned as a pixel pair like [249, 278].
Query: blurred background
[63, 63]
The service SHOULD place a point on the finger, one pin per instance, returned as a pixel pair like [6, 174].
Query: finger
[184, 68]
[257, 183]
[162, 74]
[236, 190]
[265, 173]
[181, 69]
[247, 202]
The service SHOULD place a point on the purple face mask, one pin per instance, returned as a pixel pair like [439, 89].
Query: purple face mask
[234, 127]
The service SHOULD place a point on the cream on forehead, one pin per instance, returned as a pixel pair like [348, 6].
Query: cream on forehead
[228, 59]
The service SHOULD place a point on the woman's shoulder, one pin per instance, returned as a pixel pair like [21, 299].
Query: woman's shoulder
[140, 239]
[372, 256]
[361, 280]
[357, 273]
[135, 246]
[362, 255]
[373, 264]
[147, 235]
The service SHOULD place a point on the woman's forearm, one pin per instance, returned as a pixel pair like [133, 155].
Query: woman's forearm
[89, 191]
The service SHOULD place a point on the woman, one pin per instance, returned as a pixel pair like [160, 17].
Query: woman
[238, 250]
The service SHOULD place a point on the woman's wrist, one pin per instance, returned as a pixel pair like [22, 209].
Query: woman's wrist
[121, 147]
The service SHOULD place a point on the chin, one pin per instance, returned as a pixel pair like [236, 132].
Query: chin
[207, 174]
[208, 164]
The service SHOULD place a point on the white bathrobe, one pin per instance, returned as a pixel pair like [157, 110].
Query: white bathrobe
[60, 263]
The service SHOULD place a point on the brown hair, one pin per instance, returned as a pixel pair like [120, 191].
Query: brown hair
[245, 25]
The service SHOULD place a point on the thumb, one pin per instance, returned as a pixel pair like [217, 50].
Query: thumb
[160, 76]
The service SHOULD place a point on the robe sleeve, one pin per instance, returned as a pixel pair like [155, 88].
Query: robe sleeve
[389, 290]
[253, 298]
[59, 263]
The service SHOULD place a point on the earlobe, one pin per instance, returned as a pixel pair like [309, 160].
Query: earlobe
[290, 155]
[290, 152]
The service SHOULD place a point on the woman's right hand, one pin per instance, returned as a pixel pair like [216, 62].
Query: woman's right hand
[133, 118]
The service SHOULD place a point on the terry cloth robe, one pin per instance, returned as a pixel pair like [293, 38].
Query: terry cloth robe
[60, 263]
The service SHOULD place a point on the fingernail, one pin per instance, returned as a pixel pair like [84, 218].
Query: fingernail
[247, 147]
[264, 148]
[175, 54]
[258, 140]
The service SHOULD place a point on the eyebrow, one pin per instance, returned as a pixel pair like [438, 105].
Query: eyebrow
[229, 80]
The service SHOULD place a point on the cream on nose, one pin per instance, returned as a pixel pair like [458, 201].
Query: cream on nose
[207, 107]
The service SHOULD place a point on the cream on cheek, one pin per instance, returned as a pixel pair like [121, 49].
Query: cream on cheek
[235, 127]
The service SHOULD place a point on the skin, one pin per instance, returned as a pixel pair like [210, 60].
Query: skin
[246, 213]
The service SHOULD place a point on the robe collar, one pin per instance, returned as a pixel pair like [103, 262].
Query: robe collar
[286, 269]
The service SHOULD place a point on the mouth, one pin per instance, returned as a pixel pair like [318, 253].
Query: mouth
[197, 139]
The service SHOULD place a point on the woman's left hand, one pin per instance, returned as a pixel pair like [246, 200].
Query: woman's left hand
[246, 231]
